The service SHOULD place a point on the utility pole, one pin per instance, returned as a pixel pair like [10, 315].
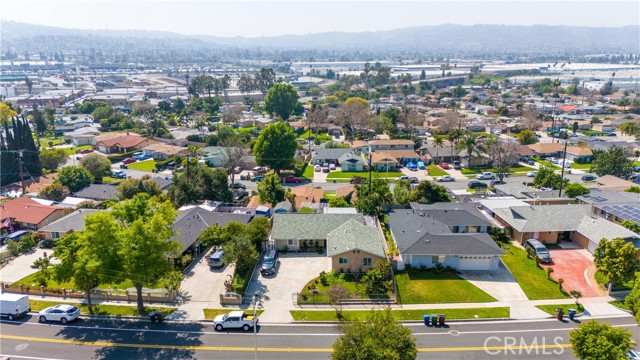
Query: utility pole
[20, 170]
[564, 159]
[370, 171]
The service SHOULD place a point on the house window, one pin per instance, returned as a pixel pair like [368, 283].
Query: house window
[342, 260]
[290, 242]
[366, 262]
[434, 259]
[55, 235]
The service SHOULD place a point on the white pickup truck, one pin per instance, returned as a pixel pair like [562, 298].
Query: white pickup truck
[235, 320]
[485, 176]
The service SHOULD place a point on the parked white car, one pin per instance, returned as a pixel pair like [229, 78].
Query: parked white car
[62, 313]
[532, 173]
[446, 178]
[485, 176]
[235, 320]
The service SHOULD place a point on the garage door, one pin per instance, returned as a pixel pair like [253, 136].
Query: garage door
[592, 246]
[475, 262]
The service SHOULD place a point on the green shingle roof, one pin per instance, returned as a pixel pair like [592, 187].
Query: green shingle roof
[353, 235]
[308, 226]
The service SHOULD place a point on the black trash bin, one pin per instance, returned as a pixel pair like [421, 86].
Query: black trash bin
[156, 316]
[426, 319]
[572, 314]
[434, 320]
[441, 319]
[559, 313]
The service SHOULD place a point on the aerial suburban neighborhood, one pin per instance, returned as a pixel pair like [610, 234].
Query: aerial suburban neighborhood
[335, 198]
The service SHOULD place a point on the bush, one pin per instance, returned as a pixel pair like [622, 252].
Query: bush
[27, 242]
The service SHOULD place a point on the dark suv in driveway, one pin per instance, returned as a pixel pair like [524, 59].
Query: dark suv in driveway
[269, 263]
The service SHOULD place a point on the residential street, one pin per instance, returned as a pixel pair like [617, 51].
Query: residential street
[123, 339]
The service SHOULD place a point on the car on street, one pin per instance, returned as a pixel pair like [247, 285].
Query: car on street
[477, 184]
[612, 134]
[497, 182]
[238, 186]
[588, 177]
[118, 174]
[257, 178]
[413, 180]
[444, 165]
[536, 248]
[446, 178]
[85, 151]
[62, 313]
[235, 320]
[486, 176]
[129, 161]
[532, 173]
[292, 179]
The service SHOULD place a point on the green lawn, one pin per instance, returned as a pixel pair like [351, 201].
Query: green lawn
[309, 296]
[307, 171]
[604, 280]
[432, 287]
[54, 285]
[479, 170]
[112, 310]
[435, 171]
[110, 180]
[323, 137]
[469, 313]
[547, 163]
[364, 174]
[580, 166]
[210, 314]
[532, 279]
[146, 165]
[620, 304]
[44, 142]
[551, 309]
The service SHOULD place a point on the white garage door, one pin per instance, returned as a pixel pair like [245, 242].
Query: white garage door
[475, 262]
[592, 246]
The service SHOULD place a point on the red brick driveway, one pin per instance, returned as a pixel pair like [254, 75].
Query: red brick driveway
[574, 267]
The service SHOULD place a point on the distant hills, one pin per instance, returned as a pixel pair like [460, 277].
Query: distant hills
[453, 39]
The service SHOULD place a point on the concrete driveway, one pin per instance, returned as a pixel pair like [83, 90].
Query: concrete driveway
[294, 272]
[500, 283]
[576, 269]
[20, 267]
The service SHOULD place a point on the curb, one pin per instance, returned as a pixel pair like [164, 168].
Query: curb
[408, 321]
[139, 318]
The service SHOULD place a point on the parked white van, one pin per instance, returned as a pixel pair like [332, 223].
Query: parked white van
[13, 306]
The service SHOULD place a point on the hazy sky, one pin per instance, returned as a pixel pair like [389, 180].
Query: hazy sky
[266, 18]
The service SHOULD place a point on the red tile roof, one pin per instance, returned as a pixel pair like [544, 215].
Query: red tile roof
[25, 210]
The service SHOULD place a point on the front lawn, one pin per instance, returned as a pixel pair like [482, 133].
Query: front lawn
[435, 171]
[364, 174]
[531, 278]
[210, 314]
[307, 172]
[450, 314]
[480, 170]
[551, 309]
[146, 165]
[580, 166]
[546, 163]
[433, 287]
[32, 281]
[314, 292]
[322, 136]
[604, 280]
[111, 310]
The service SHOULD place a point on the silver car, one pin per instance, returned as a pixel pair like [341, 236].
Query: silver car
[62, 313]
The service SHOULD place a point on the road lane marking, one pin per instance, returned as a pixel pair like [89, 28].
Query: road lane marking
[262, 349]
[27, 357]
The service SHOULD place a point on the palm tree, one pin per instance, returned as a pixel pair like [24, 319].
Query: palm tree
[438, 142]
[469, 142]
[453, 137]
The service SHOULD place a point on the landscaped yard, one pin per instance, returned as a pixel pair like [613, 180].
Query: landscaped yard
[468, 313]
[480, 170]
[546, 163]
[432, 287]
[350, 174]
[551, 309]
[314, 292]
[146, 165]
[620, 304]
[531, 278]
[210, 314]
[112, 310]
[307, 171]
[32, 281]
[604, 280]
[323, 137]
[580, 166]
[435, 171]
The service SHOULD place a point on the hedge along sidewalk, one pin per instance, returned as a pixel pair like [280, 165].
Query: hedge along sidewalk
[405, 315]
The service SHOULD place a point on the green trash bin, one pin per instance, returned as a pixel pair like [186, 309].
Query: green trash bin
[434, 320]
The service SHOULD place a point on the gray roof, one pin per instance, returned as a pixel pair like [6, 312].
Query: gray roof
[162, 182]
[350, 157]
[420, 235]
[353, 235]
[596, 196]
[71, 222]
[452, 214]
[333, 153]
[192, 222]
[544, 217]
[312, 226]
[599, 228]
[520, 191]
[283, 206]
[98, 192]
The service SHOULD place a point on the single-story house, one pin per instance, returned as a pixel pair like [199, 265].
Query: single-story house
[298, 231]
[328, 156]
[347, 190]
[98, 192]
[215, 156]
[579, 154]
[360, 146]
[383, 161]
[354, 247]
[610, 182]
[446, 239]
[161, 151]
[26, 213]
[405, 156]
[283, 207]
[547, 149]
[121, 143]
[351, 162]
[73, 222]
[192, 221]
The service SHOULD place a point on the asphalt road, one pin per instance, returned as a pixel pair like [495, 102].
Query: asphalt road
[118, 339]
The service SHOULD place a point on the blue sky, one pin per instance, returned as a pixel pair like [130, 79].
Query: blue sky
[267, 18]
